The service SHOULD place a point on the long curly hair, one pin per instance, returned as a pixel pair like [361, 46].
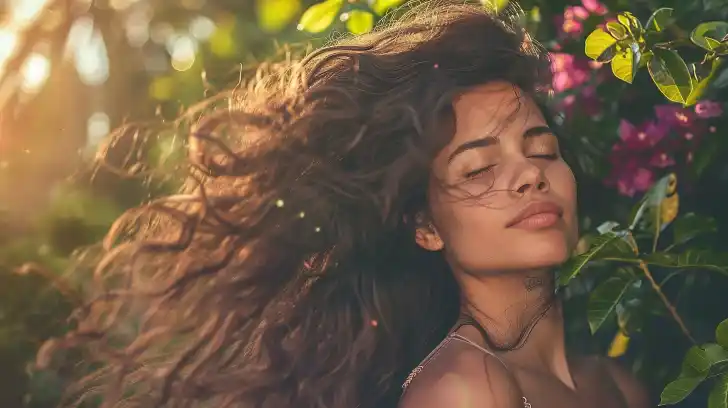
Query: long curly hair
[287, 274]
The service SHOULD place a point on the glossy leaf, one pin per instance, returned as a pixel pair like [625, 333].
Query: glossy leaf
[626, 62]
[617, 30]
[360, 22]
[660, 19]
[692, 225]
[604, 299]
[721, 333]
[631, 23]
[319, 17]
[715, 30]
[382, 6]
[608, 244]
[718, 397]
[670, 74]
[597, 43]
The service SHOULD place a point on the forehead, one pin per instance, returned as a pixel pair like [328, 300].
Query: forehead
[496, 109]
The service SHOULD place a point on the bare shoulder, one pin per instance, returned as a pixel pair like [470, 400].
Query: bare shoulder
[462, 376]
[633, 390]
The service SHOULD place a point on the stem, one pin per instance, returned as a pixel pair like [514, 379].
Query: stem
[656, 287]
[666, 302]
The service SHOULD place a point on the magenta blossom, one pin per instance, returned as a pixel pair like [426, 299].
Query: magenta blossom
[595, 7]
[708, 109]
[641, 137]
[674, 116]
[571, 22]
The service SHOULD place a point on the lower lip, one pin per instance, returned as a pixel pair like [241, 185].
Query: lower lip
[538, 221]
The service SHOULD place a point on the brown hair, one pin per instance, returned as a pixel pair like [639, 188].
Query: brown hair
[289, 277]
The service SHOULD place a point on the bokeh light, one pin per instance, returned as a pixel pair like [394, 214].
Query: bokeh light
[35, 72]
[98, 126]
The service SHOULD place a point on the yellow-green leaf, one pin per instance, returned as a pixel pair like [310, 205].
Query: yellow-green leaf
[700, 86]
[617, 30]
[498, 5]
[631, 23]
[360, 22]
[274, 15]
[625, 63]
[319, 17]
[714, 30]
[382, 6]
[670, 74]
[597, 43]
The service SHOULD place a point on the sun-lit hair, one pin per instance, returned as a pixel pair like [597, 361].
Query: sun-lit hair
[289, 275]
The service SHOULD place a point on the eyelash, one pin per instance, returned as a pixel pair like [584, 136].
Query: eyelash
[485, 169]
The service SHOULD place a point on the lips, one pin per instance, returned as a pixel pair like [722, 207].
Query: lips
[536, 210]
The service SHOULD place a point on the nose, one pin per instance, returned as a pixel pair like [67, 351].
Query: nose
[531, 178]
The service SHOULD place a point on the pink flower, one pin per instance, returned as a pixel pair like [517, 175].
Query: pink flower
[576, 13]
[708, 109]
[674, 116]
[594, 7]
[662, 160]
[630, 177]
[643, 137]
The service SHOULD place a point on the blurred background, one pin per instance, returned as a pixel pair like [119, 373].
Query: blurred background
[74, 71]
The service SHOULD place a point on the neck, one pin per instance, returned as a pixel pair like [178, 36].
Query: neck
[509, 306]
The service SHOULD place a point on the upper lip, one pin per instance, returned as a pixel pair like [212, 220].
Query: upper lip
[534, 208]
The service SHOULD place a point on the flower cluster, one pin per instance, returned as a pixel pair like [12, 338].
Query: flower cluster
[571, 72]
[646, 149]
[571, 24]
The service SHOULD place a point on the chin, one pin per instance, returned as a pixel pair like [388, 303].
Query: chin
[543, 252]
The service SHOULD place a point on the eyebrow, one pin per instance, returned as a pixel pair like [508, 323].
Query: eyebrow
[491, 140]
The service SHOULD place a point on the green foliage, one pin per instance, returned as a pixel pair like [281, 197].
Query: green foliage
[624, 246]
[628, 45]
[319, 17]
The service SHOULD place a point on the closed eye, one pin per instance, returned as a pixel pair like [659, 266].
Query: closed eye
[477, 172]
[553, 156]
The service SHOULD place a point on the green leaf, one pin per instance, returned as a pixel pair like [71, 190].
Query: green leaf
[700, 86]
[626, 62]
[319, 17]
[360, 22]
[692, 225]
[274, 15]
[604, 299]
[690, 259]
[617, 30]
[715, 30]
[382, 6]
[718, 397]
[670, 74]
[597, 43]
[660, 19]
[497, 5]
[609, 244]
[721, 333]
[677, 390]
[695, 363]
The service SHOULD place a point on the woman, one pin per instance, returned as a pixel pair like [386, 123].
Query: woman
[387, 196]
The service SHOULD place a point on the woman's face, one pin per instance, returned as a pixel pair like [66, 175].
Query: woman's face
[501, 197]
